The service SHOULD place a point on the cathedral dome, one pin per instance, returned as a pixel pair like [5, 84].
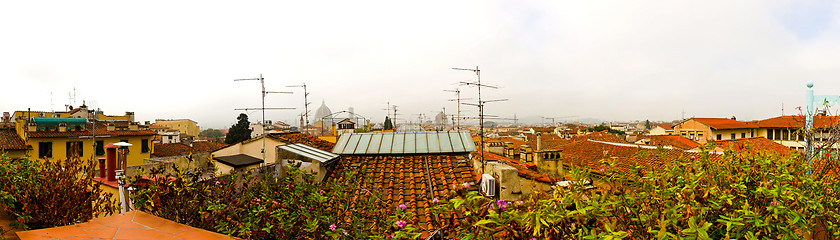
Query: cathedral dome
[322, 111]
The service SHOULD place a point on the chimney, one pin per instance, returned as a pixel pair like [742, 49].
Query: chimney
[733, 118]
[111, 127]
[111, 159]
[32, 127]
[62, 127]
[101, 167]
[539, 141]
[130, 116]
[147, 123]
[6, 117]
[132, 126]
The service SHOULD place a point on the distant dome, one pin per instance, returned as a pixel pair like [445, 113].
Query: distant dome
[322, 111]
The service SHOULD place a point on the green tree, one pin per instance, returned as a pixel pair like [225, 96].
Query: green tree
[647, 124]
[212, 133]
[239, 131]
[388, 124]
[602, 128]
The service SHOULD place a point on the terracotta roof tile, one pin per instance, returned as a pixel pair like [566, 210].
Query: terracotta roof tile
[101, 130]
[172, 149]
[410, 180]
[10, 140]
[588, 154]
[524, 170]
[208, 146]
[798, 122]
[297, 137]
[674, 141]
[753, 145]
[725, 123]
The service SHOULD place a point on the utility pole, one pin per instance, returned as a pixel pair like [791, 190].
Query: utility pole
[305, 103]
[263, 108]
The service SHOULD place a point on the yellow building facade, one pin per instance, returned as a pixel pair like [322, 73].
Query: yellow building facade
[186, 126]
[53, 138]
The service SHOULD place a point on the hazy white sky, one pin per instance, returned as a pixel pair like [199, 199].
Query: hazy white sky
[611, 60]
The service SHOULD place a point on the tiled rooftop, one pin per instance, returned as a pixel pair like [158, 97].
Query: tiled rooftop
[725, 123]
[753, 145]
[297, 137]
[208, 146]
[172, 149]
[10, 140]
[676, 141]
[130, 225]
[600, 136]
[524, 170]
[101, 129]
[588, 154]
[798, 122]
[410, 180]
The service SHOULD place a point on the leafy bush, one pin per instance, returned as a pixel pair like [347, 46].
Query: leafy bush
[43, 193]
[290, 207]
[734, 196]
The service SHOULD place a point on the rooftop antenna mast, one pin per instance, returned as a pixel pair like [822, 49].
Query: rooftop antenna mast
[305, 102]
[457, 99]
[263, 108]
[480, 106]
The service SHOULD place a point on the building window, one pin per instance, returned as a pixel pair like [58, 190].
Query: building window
[770, 134]
[100, 148]
[732, 136]
[778, 134]
[74, 149]
[45, 150]
[719, 137]
[785, 135]
[144, 145]
[743, 135]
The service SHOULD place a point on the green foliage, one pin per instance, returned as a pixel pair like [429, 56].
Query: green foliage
[212, 133]
[600, 128]
[289, 207]
[735, 196]
[647, 124]
[240, 131]
[43, 193]
[388, 124]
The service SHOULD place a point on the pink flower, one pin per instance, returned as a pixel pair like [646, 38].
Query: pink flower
[402, 206]
[774, 203]
[400, 223]
[309, 208]
[532, 239]
[313, 171]
[519, 203]
[466, 185]
[217, 182]
[606, 152]
[435, 200]
[693, 157]
[321, 192]
[502, 204]
[333, 227]
[602, 169]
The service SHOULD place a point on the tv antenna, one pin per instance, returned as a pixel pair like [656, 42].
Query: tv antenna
[480, 106]
[457, 99]
[263, 108]
[305, 103]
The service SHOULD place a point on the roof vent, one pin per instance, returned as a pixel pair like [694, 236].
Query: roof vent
[488, 185]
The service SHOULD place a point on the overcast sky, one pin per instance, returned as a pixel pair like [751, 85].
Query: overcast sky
[621, 60]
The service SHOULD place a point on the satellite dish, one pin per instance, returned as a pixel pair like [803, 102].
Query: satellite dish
[122, 144]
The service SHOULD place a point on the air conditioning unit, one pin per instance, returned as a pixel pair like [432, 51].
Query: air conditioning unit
[488, 185]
